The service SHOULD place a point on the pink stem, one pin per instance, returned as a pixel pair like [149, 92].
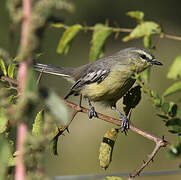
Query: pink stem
[20, 169]
[26, 22]
[22, 72]
[20, 172]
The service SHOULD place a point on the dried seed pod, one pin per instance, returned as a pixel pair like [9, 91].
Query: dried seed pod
[106, 147]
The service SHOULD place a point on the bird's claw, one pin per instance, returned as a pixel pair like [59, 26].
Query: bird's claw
[92, 113]
[124, 124]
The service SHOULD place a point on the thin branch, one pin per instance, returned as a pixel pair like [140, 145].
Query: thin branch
[40, 75]
[174, 37]
[122, 30]
[160, 142]
[10, 80]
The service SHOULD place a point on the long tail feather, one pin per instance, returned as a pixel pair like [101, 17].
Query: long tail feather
[60, 71]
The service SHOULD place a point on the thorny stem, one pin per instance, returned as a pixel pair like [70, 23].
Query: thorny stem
[20, 172]
[158, 141]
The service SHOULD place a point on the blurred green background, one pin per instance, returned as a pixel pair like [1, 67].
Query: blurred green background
[78, 151]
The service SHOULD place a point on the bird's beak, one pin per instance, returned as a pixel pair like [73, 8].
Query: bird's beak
[155, 62]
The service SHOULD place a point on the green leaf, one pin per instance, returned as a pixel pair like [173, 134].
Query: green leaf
[170, 108]
[11, 69]
[175, 69]
[138, 15]
[147, 41]
[157, 100]
[54, 142]
[163, 116]
[68, 36]
[4, 157]
[53, 146]
[100, 35]
[131, 99]
[38, 123]
[175, 150]
[58, 25]
[3, 67]
[174, 125]
[3, 120]
[12, 161]
[174, 88]
[31, 85]
[57, 108]
[146, 28]
[146, 74]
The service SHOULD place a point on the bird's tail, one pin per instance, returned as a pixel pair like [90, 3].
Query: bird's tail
[66, 72]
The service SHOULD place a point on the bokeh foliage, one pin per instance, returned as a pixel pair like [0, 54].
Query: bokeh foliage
[43, 119]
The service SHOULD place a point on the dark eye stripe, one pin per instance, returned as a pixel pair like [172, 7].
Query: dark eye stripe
[143, 56]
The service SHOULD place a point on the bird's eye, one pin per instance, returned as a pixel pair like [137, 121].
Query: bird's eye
[143, 56]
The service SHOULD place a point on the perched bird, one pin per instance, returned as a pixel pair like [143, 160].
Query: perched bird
[105, 80]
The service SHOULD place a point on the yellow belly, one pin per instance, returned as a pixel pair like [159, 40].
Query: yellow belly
[111, 88]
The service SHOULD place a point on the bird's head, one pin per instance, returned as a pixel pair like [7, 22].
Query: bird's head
[141, 59]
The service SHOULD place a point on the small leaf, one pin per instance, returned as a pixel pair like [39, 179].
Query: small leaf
[58, 25]
[57, 108]
[131, 99]
[66, 39]
[173, 109]
[11, 69]
[53, 146]
[146, 28]
[3, 120]
[147, 41]
[100, 35]
[138, 15]
[170, 108]
[157, 100]
[31, 86]
[146, 75]
[174, 125]
[175, 150]
[106, 147]
[175, 69]
[54, 142]
[4, 156]
[174, 88]
[163, 116]
[3, 67]
[38, 123]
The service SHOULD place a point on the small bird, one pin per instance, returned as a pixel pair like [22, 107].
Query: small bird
[105, 80]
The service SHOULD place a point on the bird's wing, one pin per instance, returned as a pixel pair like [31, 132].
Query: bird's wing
[90, 77]
[96, 75]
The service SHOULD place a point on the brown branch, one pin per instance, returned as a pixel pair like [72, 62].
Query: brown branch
[10, 80]
[174, 37]
[123, 30]
[160, 142]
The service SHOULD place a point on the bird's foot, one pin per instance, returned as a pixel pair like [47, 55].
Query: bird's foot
[92, 113]
[124, 124]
